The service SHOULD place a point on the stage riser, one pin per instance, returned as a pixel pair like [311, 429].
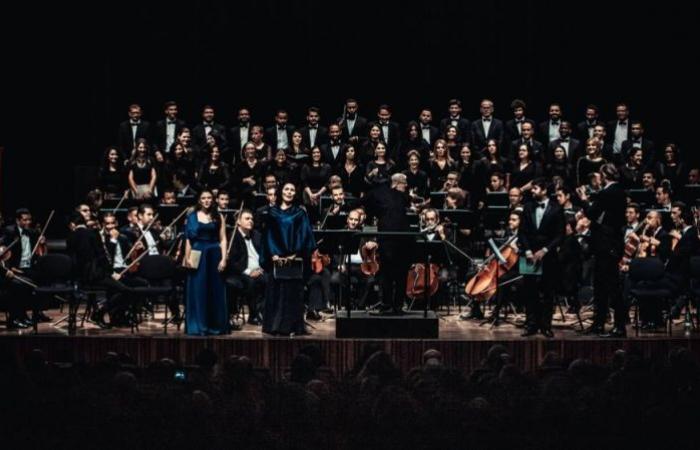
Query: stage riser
[339, 355]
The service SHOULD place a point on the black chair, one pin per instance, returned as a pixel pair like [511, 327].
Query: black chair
[234, 294]
[159, 271]
[54, 279]
[694, 287]
[646, 288]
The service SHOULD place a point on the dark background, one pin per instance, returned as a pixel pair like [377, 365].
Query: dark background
[71, 73]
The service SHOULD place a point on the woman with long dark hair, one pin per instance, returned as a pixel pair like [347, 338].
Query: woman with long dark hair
[381, 168]
[142, 172]
[205, 293]
[213, 174]
[352, 173]
[288, 239]
[111, 179]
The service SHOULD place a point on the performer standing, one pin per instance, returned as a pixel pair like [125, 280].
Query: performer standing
[607, 216]
[389, 205]
[205, 291]
[542, 232]
[288, 235]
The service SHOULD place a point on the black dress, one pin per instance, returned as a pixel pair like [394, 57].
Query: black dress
[385, 170]
[522, 176]
[353, 182]
[216, 179]
[112, 181]
[438, 175]
[418, 182]
[584, 166]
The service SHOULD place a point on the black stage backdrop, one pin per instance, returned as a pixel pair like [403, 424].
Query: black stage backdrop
[71, 73]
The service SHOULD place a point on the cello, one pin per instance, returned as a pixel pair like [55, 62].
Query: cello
[484, 283]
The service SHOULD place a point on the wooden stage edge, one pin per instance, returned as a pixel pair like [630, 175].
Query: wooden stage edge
[463, 345]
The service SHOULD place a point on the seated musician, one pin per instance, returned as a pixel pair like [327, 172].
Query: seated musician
[169, 197]
[245, 272]
[340, 205]
[261, 213]
[22, 259]
[141, 235]
[685, 243]
[350, 272]
[132, 217]
[223, 200]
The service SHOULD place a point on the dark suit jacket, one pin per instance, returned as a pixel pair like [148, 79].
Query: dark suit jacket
[238, 258]
[271, 136]
[550, 232]
[678, 264]
[160, 136]
[543, 132]
[122, 242]
[394, 139]
[648, 156]
[199, 138]
[321, 136]
[10, 233]
[610, 130]
[582, 130]
[607, 216]
[358, 131]
[511, 132]
[575, 150]
[125, 138]
[327, 155]
[90, 262]
[479, 140]
[435, 133]
[463, 125]
[234, 141]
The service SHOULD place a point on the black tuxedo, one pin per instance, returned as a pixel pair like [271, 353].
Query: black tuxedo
[537, 152]
[126, 139]
[463, 125]
[251, 288]
[359, 131]
[10, 233]
[479, 139]
[532, 238]
[235, 143]
[321, 136]
[543, 131]
[392, 140]
[612, 125]
[327, 155]
[511, 132]
[124, 247]
[435, 133]
[582, 129]
[647, 146]
[160, 133]
[199, 138]
[574, 153]
[607, 216]
[271, 136]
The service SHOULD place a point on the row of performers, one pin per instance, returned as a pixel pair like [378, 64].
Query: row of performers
[280, 234]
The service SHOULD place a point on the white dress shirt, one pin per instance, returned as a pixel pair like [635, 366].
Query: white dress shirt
[312, 136]
[253, 257]
[243, 134]
[26, 258]
[426, 133]
[282, 141]
[351, 125]
[554, 130]
[486, 124]
[207, 129]
[385, 133]
[539, 212]
[620, 136]
[118, 257]
[169, 134]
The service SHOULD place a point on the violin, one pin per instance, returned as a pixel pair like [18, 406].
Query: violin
[40, 248]
[415, 282]
[369, 265]
[632, 245]
[319, 261]
[482, 286]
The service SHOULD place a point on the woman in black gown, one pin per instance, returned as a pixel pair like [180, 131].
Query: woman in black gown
[288, 236]
[112, 178]
[352, 173]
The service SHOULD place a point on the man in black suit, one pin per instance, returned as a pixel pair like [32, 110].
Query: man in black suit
[391, 133]
[455, 119]
[429, 132]
[527, 137]
[239, 135]
[637, 140]
[607, 218]
[246, 274]
[333, 151]
[687, 245]
[132, 130]
[388, 205]
[166, 130]
[584, 129]
[313, 134]
[279, 136]
[569, 144]
[542, 231]
[487, 127]
[353, 126]
[549, 129]
[618, 131]
[513, 128]
[22, 259]
[206, 128]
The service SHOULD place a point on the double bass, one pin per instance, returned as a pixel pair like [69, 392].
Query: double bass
[484, 283]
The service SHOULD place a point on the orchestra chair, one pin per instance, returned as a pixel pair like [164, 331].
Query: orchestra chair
[55, 279]
[159, 272]
[646, 275]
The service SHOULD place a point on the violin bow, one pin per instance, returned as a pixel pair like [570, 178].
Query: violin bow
[174, 221]
[235, 224]
[143, 233]
[43, 230]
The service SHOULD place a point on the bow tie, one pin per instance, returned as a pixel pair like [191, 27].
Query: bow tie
[384, 124]
[335, 143]
[350, 117]
[564, 140]
[425, 127]
[171, 122]
[630, 227]
[637, 141]
[313, 127]
[486, 119]
[281, 128]
[519, 120]
[541, 205]
[247, 238]
[243, 125]
[555, 123]
[622, 122]
[135, 124]
[208, 124]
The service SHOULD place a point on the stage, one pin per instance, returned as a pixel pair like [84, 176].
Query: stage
[463, 344]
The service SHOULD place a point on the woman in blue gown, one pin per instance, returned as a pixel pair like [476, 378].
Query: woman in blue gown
[288, 235]
[205, 294]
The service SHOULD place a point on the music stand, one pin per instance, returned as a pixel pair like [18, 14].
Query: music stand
[437, 199]
[497, 199]
[340, 243]
[430, 252]
[495, 217]
[462, 218]
[642, 197]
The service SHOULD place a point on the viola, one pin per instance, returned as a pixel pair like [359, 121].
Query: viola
[482, 286]
[319, 261]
